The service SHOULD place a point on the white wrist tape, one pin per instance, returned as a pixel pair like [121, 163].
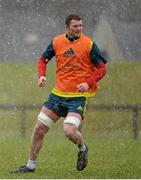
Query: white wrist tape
[45, 119]
[72, 120]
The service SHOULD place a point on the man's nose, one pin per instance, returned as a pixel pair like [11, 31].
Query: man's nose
[79, 28]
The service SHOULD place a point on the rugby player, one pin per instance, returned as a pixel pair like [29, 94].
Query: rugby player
[79, 66]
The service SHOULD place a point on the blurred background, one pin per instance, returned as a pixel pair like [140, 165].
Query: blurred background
[27, 26]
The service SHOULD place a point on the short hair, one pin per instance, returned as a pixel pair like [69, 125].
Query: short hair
[72, 17]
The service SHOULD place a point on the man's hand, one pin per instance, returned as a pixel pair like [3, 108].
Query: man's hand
[82, 87]
[42, 81]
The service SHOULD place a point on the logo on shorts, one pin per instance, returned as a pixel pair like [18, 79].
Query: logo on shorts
[80, 108]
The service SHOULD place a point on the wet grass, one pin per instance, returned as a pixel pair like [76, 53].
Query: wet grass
[113, 153]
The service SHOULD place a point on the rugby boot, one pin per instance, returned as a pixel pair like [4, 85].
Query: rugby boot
[22, 169]
[82, 159]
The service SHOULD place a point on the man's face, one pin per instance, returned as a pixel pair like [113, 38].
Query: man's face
[75, 28]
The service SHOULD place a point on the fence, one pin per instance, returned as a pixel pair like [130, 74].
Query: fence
[134, 108]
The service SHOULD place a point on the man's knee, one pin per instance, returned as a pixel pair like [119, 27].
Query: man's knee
[71, 125]
[69, 130]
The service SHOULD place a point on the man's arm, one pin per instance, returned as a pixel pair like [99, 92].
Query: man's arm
[99, 62]
[98, 75]
[99, 69]
[42, 64]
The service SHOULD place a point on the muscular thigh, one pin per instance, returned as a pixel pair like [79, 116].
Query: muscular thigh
[52, 115]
